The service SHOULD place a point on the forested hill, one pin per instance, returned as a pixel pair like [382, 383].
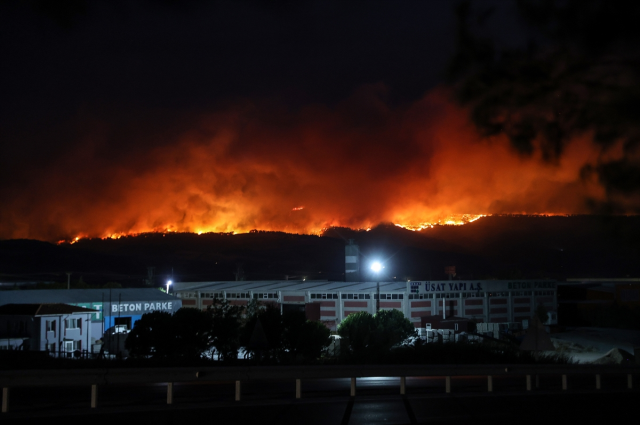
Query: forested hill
[492, 247]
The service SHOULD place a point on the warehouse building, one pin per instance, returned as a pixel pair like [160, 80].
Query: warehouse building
[108, 308]
[488, 301]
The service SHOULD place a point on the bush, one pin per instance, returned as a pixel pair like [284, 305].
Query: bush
[371, 336]
[356, 331]
[391, 328]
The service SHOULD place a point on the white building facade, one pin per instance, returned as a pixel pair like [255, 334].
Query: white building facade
[485, 301]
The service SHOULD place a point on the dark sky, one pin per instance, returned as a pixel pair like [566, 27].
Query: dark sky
[125, 116]
[168, 55]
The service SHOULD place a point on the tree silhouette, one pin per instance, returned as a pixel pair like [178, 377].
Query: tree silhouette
[225, 321]
[356, 330]
[192, 332]
[391, 328]
[152, 336]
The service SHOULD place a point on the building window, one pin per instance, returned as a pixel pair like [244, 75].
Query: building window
[71, 323]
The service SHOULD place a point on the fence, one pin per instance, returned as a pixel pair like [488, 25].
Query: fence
[97, 377]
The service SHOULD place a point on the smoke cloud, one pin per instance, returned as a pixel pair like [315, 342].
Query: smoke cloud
[260, 165]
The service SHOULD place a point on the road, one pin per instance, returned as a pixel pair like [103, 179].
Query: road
[328, 402]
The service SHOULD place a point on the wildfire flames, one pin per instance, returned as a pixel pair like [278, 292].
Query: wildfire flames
[259, 166]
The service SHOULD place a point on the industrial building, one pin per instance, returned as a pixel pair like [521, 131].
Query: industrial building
[103, 308]
[488, 301]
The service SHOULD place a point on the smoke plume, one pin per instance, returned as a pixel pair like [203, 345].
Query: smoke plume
[259, 165]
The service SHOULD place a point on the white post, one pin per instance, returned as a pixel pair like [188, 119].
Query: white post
[237, 391]
[448, 384]
[5, 400]
[403, 385]
[630, 381]
[94, 396]
[444, 308]
[564, 382]
[353, 387]
[528, 382]
[597, 381]
[298, 388]
[169, 392]
[490, 383]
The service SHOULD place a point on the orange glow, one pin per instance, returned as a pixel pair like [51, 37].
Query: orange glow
[357, 164]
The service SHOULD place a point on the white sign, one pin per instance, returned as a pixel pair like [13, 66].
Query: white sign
[141, 307]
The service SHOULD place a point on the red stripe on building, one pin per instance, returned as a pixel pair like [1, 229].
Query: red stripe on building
[392, 304]
[472, 311]
[355, 303]
[420, 313]
[328, 313]
[544, 299]
[294, 298]
[499, 320]
[497, 301]
[498, 310]
[346, 313]
[188, 302]
[238, 302]
[473, 302]
[207, 302]
[417, 304]
[327, 303]
[522, 300]
[521, 309]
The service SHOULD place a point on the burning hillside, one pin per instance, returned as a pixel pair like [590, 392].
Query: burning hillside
[256, 165]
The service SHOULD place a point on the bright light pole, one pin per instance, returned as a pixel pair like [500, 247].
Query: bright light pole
[376, 267]
[168, 284]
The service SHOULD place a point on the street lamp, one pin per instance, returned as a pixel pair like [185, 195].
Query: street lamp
[376, 267]
[168, 284]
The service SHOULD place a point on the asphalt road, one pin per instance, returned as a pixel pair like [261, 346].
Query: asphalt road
[328, 402]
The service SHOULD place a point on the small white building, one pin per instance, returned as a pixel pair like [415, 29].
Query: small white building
[61, 329]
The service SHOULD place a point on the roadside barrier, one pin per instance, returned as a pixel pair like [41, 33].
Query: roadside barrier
[93, 378]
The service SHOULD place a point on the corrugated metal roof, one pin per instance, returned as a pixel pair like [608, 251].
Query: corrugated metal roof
[41, 309]
[289, 285]
[78, 296]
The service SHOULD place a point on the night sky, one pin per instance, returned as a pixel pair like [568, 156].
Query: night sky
[120, 117]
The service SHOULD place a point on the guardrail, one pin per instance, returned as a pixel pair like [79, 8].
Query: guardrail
[96, 377]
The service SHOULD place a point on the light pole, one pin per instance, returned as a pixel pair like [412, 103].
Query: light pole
[376, 267]
[168, 284]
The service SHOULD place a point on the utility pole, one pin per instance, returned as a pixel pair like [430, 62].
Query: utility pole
[149, 280]
[68, 280]
[239, 272]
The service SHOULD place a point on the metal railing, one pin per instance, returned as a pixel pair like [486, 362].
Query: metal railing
[97, 377]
